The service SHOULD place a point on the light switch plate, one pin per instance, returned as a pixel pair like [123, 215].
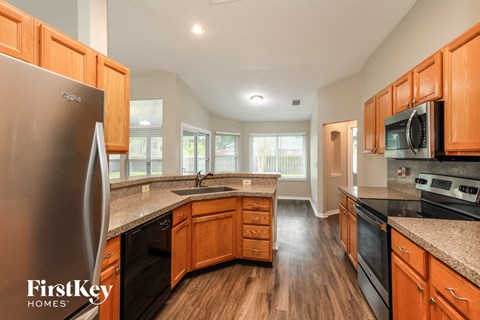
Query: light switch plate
[146, 188]
[247, 182]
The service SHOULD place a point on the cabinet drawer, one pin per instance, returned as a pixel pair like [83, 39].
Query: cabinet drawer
[412, 254]
[213, 206]
[256, 249]
[342, 199]
[461, 293]
[260, 218]
[112, 252]
[351, 207]
[181, 213]
[256, 232]
[258, 204]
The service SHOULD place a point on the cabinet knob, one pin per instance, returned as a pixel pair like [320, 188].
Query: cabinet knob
[432, 301]
[407, 104]
[117, 270]
[419, 288]
[413, 102]
[108, 255]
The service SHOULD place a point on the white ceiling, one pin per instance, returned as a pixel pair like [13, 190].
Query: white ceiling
[280, 49]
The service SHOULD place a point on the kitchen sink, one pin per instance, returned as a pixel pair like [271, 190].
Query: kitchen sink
[202, 190]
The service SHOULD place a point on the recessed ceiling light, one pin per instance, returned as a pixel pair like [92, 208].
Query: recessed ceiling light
[145, 123]
[198, 29]
[256, 99]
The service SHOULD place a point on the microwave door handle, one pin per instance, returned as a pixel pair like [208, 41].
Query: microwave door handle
[374, 223]
[408, 132]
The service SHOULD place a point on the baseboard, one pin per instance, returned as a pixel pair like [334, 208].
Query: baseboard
[292, 198]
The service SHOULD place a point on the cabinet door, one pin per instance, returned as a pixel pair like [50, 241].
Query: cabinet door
[383, 102]
[213, 239]
[402, 93]
[109, 310]
[409, 292]
[428, 80]
[16, 33]
[462, 79]
[352, 239]
[442, 310]
[180, 251]
[66, 56]
[343, 227]
[114, 79]
[369, 128]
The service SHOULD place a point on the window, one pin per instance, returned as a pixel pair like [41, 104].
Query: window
[145, 150]
[283, 153]
[226, 152]
[195, 150]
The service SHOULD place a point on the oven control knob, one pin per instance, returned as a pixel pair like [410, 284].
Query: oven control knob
[420, 181]
[462, 188]
[472, 190]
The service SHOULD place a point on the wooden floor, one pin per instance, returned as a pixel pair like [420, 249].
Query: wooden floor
[311, 278]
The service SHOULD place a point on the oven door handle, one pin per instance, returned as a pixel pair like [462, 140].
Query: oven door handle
[408, 132]
[381, 226]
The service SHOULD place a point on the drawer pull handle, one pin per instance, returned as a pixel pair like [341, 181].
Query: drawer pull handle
[402, 250]
[419, 288]
[452, 291]
[108, 255]
[117, 270]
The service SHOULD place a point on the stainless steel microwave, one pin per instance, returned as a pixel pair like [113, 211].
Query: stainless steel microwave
[416, 133]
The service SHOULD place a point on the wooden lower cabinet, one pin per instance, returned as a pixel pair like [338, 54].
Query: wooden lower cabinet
[352, 239]
[180, 251]
[409, 292]
[343, 227]
[431, 292]
[213, 239]
[348, 228]
[110, 276]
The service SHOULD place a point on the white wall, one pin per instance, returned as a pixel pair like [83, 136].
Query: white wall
[428, 26]
[285, 188]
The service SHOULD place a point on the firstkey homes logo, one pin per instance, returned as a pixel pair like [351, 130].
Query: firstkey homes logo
[58, 294]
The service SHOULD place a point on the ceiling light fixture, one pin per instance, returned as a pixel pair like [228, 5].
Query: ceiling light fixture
[198, 29]
[256, 99]
[145, 123]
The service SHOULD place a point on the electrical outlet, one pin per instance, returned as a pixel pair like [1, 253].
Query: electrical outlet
[146, 188]
[247, 182]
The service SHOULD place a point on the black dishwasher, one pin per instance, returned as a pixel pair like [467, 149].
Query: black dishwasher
[146, 264]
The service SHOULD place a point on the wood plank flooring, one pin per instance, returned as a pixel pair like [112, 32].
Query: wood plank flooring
[311, 278]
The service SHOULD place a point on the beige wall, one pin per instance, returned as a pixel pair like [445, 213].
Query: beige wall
[314, 156]
[428, 26]
[179, 105]
[285, 188]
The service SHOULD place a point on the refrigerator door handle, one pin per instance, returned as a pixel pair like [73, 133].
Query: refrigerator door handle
[98, 152]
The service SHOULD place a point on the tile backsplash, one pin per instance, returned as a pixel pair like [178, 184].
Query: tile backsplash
[450, 168]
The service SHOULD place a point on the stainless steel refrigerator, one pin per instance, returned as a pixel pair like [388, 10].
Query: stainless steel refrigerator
[54, 194]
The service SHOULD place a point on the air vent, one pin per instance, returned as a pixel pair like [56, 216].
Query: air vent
[296, 102]
[221, 1]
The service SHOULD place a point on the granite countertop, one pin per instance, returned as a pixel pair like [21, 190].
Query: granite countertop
[376, 193]
[128, 212]
[455, 243]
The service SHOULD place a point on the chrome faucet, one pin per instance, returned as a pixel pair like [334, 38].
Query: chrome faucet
[199, 179]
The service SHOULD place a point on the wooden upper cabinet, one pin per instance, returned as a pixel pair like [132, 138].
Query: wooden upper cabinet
[462, 94]
[383, 106]
[16, 33]
[428, 80]
[402, 93]
[66, 56]
[114, 79]
[369, 128]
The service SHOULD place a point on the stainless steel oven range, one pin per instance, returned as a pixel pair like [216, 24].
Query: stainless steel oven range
[443, 197]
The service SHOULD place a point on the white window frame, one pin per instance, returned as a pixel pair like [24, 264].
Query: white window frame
[196, 130]
[277, 135]
[237, 156]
